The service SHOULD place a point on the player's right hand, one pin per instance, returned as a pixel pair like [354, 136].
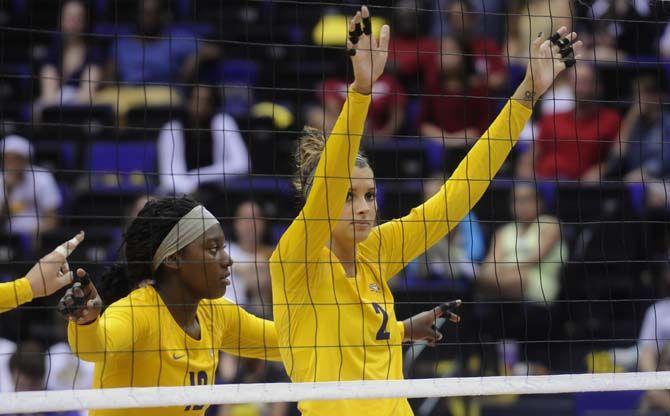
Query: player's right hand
[81, 303]
[368, 55]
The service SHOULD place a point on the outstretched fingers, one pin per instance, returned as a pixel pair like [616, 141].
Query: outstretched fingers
[355, 32]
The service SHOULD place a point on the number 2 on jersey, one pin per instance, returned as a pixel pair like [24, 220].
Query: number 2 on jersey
[382, 334]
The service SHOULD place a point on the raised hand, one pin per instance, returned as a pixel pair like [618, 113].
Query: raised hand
[422, 327]
[368, 55]
[52, 273]
[81, 303]
[548, 58]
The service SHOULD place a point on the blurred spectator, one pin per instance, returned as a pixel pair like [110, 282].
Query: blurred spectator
[485, 53]
[664, 43]
[453, 111]
[250, 275]
[72, 70]
[7, 349]
[657, 402]
[27, 368]
[453, 257]
[573, 144]
[645, 134]
[526, 255]
[387, 109]
[629, 24]
[202, 149]
[65, 370]
[145, 65]
[157, 54]
[412, 53]
[30, 196]
[488, 17]
[28, 371]
[655, 330]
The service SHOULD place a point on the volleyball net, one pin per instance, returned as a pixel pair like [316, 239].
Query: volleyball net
[562, 266]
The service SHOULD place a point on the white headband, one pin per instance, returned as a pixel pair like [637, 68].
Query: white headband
[190, 226]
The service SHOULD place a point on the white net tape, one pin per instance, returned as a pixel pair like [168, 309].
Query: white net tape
[43, 401]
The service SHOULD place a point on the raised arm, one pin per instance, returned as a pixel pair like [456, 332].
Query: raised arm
[47, 276]
[302, 243]
[92, 336]
[247, 335]
[14, 294]
[404, 239]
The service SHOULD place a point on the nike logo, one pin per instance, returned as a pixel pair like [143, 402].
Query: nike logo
[176, 357]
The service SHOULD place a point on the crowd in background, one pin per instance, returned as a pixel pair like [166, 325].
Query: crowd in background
[207, 98]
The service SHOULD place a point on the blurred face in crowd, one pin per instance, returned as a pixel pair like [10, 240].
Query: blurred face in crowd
[151, 16]
[585, 82]
[26, 382]
[249, 222]
[201, 103]
[405, 18]
[73, 18]
[14, 163]
[360, 210]
[526, 206]
[649, 95]
[451, 58]
[459, 17]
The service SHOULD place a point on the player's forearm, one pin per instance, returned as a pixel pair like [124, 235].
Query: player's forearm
[14, 294]
[474, 174]
[86, 341]
[331, 176]
[91, 342]
[525, 93]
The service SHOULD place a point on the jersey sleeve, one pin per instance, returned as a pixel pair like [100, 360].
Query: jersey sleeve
[246, 335]
[301, 244]
[397, 242]
[15, 293]
[116, 331]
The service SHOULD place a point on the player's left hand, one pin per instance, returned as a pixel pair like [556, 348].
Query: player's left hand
[422, 327]
[550, 57]
[368, 54]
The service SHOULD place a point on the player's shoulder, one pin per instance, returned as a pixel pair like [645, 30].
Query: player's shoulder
[142, 296]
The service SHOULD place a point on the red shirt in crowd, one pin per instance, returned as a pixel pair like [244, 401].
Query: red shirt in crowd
[568, 146]
[455, 110]
[487, 57]
[410, 56]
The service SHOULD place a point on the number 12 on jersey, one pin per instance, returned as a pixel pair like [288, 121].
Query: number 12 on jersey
[382, 334]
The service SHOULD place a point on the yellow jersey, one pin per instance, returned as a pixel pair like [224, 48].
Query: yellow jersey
[14, 294]
[137, 343]
[334, 327]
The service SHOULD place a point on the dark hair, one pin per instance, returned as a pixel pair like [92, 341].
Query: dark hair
[28, 359]
[140, 242]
